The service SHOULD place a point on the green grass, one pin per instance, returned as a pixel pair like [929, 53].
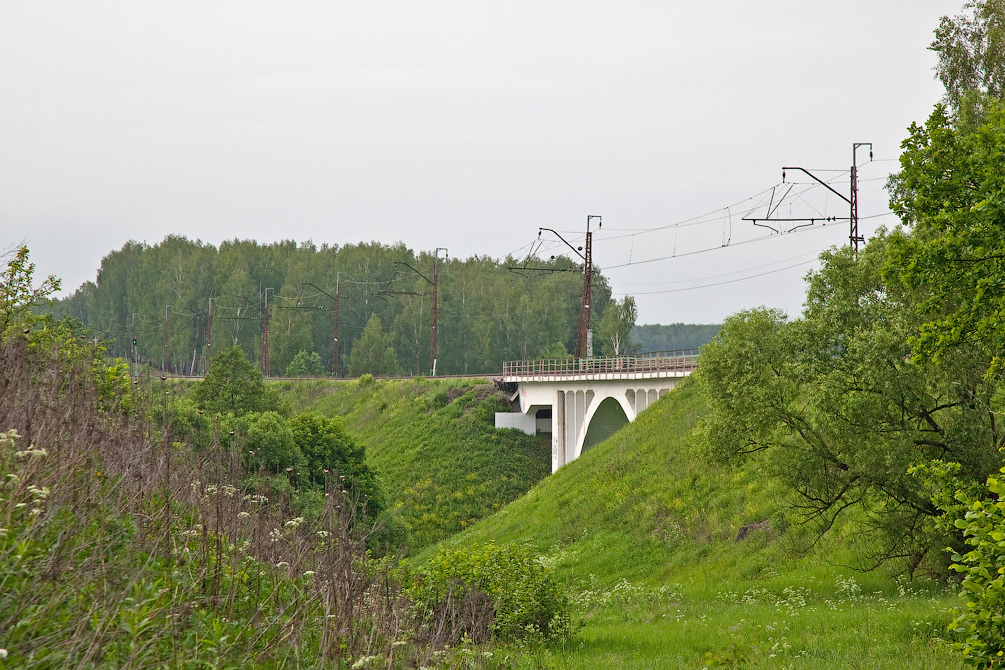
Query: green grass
[642, 530]
[642, 505]
[805, 623]
[434, 446]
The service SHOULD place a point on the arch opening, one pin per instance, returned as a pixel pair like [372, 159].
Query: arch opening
[607, 420]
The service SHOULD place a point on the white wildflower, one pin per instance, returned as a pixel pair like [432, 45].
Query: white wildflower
[37, 492]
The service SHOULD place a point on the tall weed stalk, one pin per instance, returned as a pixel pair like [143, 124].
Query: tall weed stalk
[121, 548]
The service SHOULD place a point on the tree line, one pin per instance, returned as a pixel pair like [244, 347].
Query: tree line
[346, 309]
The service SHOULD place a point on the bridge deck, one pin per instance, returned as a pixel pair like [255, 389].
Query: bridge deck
[642, 366]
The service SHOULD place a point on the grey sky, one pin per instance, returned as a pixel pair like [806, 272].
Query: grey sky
[464, 125]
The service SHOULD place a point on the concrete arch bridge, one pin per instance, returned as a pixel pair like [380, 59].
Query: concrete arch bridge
[583, 401]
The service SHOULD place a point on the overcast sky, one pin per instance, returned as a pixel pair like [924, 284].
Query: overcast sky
[465, 125]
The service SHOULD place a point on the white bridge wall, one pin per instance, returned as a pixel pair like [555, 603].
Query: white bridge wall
[574, 403]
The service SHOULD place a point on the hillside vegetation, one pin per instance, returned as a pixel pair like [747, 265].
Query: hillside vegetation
[434, 446]
[120, 548]
[140, 529]
[646, 531]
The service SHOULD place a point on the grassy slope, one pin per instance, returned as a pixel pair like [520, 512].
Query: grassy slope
[643, 530]
[434, 445]
[641, 500]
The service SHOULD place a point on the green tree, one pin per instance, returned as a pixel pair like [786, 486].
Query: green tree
[555, 350]
[980, 514]
[17, 295]
[971, 48]
[487, 313]
[331, 454]
[233, 385]
[372, 353]
[271, 444]
[654, 337]
[616, 326]
[504, 590]
[842, 411]
[954, 258]
[305, 363]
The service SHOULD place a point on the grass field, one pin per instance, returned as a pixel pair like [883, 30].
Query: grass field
[643, 531]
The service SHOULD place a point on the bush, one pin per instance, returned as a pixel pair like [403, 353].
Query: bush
[983, 567]
[234, 385]
[329, 451]
[304, 364]
[271, 444]
[492, 591]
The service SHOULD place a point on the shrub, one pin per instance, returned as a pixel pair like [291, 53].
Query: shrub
[489, 591]
[329, 451]
[271, 444]
[234, 385]
[983, 567]
[304, 364]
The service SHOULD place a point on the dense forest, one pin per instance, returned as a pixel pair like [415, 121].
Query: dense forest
[179, 300]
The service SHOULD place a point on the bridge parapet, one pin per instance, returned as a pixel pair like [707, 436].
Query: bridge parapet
[643, 366]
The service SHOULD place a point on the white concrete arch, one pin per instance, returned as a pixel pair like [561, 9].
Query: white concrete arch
[574, 405]
[616, 413]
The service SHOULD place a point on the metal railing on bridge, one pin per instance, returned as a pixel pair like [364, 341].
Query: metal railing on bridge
[661, 361]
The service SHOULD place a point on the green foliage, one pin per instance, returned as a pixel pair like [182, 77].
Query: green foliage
[521, 597]
[555, 350]
[616, 326]
[841, 409]
[188, 423]
[979, 513]
[305, 364]
[330, 453]
[72, 342]
[17, 295]
[954, 257]
[233, 385]
[113, 383]
[303, 456]
[270, 444]
[950, 192]
[971, 50]
[372, 353]
[487, 314]
[434, 446]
